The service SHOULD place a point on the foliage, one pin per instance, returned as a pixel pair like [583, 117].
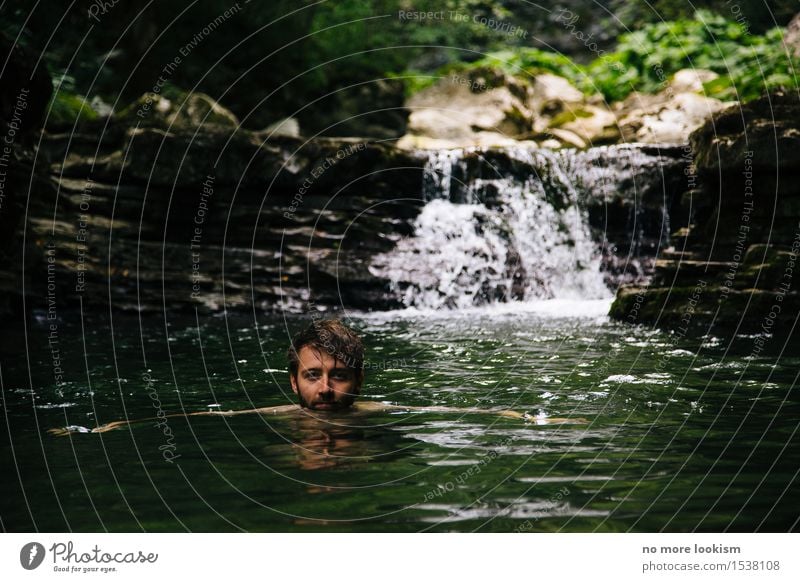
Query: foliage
[532, 61]
[645, 60]
[767, 65]
[272, 57]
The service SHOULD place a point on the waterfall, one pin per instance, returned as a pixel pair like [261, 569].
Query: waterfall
[508, 225]
[438, 173]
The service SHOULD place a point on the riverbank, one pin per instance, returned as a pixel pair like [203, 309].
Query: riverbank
[735, 266]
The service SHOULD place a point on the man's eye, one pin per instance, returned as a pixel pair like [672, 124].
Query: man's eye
[312, 376]
[339, 375]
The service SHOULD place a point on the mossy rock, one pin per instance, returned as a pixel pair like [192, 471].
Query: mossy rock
[177, 108]
[568, 116]
[668, 307]
[67, 110]
[696, 307]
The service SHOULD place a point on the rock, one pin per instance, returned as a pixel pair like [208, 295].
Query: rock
[551, 143]
[670, 120]
[481, 139]
[552, 94]
[556, 104]
[485, 107]
[463, 109]
[568, 138]
[792, 36]
[734, 264]
[375, 109]
[200, 109]
[692, 309]
[691, 80]
[593, 124]
[278, 223]
[100, 107]
[180, 109]
[183, 158]
[670, 115]
[288, 126]
[765, 129]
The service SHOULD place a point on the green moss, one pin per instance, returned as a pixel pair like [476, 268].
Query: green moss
[568, 116]
[68, 108]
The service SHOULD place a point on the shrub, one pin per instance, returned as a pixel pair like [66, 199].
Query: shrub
[646, 59]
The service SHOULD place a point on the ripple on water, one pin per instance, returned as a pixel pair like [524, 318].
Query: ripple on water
[622, 379]
[57, 405]
[729, 365]
[565, 479]
[660, 378]
[516, 509]
[636, 432]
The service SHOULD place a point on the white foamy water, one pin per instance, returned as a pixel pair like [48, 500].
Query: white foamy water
[438, 174]
[594, 309]
[528, 244]
[457, 252]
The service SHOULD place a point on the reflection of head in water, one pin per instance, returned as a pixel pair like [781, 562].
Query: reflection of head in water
[326, 365]
[321, 441]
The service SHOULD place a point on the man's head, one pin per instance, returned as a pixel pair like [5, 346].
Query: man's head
[326, 365]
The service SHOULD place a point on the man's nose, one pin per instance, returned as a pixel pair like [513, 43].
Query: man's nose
[326, 384]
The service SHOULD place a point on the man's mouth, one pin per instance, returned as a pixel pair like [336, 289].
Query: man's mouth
[325, 406]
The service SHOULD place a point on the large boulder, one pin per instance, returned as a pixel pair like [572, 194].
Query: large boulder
[566, 117]
[552, 95]
[479, 107]
[764, 130]
[670, 115]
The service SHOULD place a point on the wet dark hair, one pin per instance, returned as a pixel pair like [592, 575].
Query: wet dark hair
[330, 336]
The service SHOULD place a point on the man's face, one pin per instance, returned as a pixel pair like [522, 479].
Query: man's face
[323, 382]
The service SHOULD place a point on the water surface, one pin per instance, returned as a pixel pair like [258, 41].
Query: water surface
[682, 434]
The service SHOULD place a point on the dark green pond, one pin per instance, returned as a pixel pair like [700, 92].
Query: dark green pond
[682, 434]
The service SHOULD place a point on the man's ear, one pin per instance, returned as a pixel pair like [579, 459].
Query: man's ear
[293, 381]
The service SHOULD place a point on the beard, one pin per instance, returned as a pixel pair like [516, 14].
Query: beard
[332, 402]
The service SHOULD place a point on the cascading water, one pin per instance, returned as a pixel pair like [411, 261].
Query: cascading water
[507, 225]
[438, 174]
[457, 257]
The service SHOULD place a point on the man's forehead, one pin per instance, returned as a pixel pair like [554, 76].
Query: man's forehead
[311, 357]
